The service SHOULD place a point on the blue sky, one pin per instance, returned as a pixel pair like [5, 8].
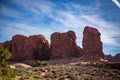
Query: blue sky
[45, 17]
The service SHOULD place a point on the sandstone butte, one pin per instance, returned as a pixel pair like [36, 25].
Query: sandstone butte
[63, 46]
[28, 48]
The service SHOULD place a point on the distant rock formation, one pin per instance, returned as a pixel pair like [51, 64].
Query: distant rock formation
[63, 45]
[109, 57]
[92, 45]
[27, 48]
[115, 58]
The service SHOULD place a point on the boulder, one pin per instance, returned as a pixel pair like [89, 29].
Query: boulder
[92, 45]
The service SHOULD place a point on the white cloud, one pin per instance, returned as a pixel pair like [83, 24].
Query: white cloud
[117, 3]
[74, 17]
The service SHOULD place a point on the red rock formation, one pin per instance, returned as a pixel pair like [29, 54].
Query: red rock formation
[115, 58]
[18, 44]
[92, 45]
[7, 45]
[1, 44]
[63, 45]
[39, 46]
[28, 48]
[109, 58]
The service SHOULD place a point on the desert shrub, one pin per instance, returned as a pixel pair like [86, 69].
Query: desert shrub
[6, 72]
[49, 75]
[4, 55]
[108, 65]
[72, 77]
[40, 63]
[114, 65]
[24, 78]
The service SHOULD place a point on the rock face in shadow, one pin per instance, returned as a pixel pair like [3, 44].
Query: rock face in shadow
[92, 45]
[28, 48]
[115, 58]
[109, 58]
[63, 45]
[39, 46]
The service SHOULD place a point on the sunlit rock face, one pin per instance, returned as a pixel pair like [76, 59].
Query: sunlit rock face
[27, 48]
[92, 45]
[17, 47]
[63, 45]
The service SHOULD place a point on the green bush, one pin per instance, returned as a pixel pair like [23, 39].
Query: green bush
[6, 73]
[112, 65]
[108, 65]
[41, 63]
[4, 55]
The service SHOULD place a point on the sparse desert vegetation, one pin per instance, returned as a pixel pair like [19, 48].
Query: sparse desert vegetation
[70, 72]
[42, 70]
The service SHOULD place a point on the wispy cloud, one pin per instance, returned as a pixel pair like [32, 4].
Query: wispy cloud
[117, 3]
[45, 17]
[9, 12]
